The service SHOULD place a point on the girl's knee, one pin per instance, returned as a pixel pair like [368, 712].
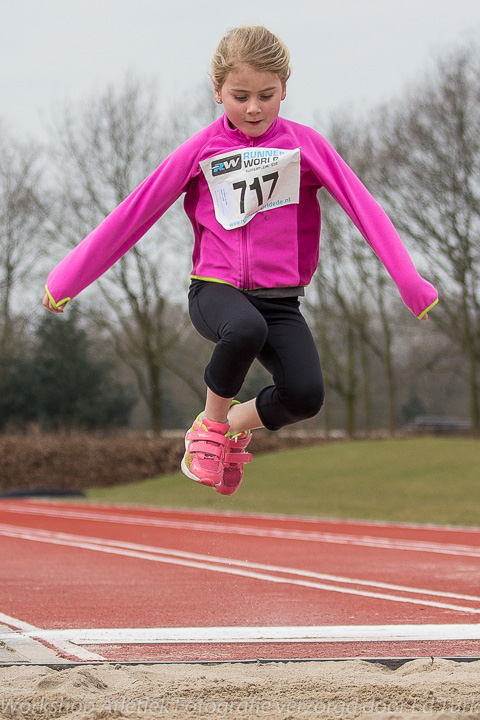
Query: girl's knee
[248, 333]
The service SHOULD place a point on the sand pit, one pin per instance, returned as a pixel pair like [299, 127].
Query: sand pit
[433, 689]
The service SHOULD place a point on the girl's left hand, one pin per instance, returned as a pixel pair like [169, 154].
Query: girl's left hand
[48, 304]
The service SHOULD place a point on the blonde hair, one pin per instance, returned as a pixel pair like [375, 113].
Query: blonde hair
[251, 45]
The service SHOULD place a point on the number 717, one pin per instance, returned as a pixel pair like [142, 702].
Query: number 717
[256, 187]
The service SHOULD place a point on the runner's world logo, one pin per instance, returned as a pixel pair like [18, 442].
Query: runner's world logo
[226, 165]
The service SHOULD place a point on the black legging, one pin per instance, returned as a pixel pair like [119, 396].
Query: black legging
[245, 327]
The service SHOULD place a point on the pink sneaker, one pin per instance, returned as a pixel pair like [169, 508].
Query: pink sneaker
[205, 445]
[235, 458]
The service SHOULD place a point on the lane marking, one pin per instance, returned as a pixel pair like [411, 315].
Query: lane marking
[275, 634]
[29, 642]
[235, 567]
[302, 519]
[14, 530]
[252, 531]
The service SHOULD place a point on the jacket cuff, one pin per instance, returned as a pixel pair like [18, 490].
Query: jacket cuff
[55, 304]
[422, 314]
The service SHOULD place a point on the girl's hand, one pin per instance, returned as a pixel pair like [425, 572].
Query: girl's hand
[425, 317]
[48, 304]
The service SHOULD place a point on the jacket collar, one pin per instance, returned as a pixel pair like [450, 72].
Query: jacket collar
[246, 139]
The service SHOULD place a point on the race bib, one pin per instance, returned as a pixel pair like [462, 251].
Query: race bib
[251, 180]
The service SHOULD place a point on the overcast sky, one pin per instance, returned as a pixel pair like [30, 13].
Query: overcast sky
[345, 53]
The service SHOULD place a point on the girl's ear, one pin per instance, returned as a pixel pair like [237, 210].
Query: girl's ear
[284, 91]
[218, 95]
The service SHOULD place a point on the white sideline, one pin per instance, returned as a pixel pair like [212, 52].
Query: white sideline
[282, 634]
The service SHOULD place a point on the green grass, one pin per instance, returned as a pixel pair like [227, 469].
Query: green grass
[425, 480]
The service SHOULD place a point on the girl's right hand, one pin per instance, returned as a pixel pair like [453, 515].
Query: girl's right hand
[48, 304]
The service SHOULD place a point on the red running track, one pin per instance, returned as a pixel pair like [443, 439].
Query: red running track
[97, 582]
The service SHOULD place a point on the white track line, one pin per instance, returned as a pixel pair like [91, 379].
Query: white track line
[282, 634]
[27, 640]
[252, 531]
[15, 531]
[239, 568]
[301, 519]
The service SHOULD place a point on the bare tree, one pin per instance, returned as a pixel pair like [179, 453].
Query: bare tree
[103, 150]
[357, 302]
[429, 169]
[21, 216]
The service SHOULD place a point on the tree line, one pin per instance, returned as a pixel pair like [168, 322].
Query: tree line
[126, 345]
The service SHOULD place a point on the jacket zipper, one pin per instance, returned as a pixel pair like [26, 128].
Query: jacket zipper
[246, 262]
[245, 247]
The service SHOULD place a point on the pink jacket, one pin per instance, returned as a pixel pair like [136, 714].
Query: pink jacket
[254, 211]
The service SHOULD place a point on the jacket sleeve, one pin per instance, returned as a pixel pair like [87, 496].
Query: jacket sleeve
[374, 224]
[122, 228]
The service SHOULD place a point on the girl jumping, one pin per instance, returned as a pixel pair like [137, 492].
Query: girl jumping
[250, 181]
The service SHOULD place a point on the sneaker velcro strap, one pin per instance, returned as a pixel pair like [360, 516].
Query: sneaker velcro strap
[239, 441]
[210, 447]
[238, 457]
[208, 435]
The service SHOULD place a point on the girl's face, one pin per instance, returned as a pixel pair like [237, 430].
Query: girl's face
[251, 99]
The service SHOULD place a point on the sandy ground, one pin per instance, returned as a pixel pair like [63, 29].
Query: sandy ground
[431, 689]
